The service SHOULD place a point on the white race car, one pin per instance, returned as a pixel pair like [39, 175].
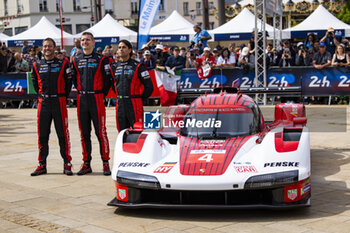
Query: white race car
[216, 153]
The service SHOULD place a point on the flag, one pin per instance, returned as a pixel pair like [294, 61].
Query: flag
[148, 11]
[167, 85]
[30, 86]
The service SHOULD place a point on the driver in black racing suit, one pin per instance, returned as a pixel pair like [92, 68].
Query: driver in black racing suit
[130, 76]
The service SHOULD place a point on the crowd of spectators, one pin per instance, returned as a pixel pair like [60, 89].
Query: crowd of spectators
[313, 51]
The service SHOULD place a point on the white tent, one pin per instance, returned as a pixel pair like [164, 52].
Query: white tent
[109, 31]
[318, 23]
[175, 28]
[239, 28]
[3, 37]
[43, 29]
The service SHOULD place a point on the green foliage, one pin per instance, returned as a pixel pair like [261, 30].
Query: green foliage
[344, 15]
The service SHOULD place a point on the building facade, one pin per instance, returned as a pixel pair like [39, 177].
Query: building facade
[19, 15]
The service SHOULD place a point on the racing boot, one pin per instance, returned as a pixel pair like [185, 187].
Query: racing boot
[67, 169]
[84, 169]
[106, 170]
[41, 169]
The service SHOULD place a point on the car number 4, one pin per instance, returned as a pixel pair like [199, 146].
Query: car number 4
[207, 158]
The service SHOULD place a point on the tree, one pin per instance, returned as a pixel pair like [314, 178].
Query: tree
[344, 15]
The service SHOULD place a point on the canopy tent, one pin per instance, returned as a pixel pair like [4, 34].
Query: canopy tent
[109, 31]
[174, 29]
[239, 28]
[3, 37]
[318, 23]
[36, 34]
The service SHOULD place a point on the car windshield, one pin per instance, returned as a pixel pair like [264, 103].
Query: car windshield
[219, 122]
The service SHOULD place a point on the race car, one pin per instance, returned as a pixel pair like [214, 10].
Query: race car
[217, 152]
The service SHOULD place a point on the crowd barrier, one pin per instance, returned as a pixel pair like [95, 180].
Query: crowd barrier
[313, 82]
[332, 81]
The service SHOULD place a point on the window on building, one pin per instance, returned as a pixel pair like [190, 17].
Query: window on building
[8, 31]
[58, 5]
[199, 8]
[81, 27]
[211, 8]
[42, 5]
[76, 5]
[6, 12]
[66, 27]
[162, 5]
[185, 8]
[134, 7]
[211, 25]
[19, 6]
[20, 29]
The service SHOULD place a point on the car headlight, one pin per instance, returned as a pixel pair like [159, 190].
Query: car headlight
[272, 180]
[137, 180]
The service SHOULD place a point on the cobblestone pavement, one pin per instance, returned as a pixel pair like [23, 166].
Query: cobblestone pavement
[58, 203]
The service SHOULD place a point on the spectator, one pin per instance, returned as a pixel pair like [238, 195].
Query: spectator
[340, 58]
[216, 54]
[39, 54]
[251, 44]
[116, 56]
[302, 58]
[30, 57]
[160, 56]
[207, 58]
[330, 40]
[286, 56]
[152, 45]
[322, 58]
[25, 48]
[11, 61]
[64, 52]
[190, 59]
[201, 37]
[59, 55]
[175, 61]
[77, 46]
[183, 51]
[226, 60]
[21, 65]
[99, 50]
[316, 47]
[309, 42]
[270, 55]
[232, 48]
[149, 60]
[246, 60]
[3, 58]
[139, 55]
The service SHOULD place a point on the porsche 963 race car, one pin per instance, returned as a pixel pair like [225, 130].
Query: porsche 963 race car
[217, 152]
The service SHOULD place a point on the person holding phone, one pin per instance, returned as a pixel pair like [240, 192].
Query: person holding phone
[330, 40]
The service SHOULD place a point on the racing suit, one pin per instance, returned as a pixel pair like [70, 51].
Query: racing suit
[92, 78]
[52, 81]
[129, 77]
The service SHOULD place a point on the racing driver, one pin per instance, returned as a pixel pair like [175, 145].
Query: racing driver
[92, 77]
[130, 76]
[52, 81]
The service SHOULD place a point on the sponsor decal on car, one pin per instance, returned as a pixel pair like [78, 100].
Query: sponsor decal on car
[122, 192]
[292, 194]
[207, 156]
[245, 169]
[305, 189]
[211, 143]
[165, 168]
[133, 164]
[282, 164]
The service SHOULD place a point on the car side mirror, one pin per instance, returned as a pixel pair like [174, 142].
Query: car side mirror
[299, 121]
[138, 125]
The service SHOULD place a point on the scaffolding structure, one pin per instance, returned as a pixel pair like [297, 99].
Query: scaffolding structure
[261, 8]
